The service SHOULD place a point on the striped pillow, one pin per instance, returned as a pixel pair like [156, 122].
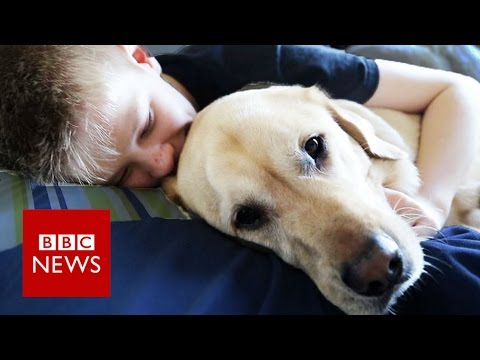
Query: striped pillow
[17, 193]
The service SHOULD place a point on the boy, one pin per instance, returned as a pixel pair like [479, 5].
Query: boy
[110, 115]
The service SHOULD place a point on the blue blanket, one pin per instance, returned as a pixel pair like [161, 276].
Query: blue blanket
[159, 267]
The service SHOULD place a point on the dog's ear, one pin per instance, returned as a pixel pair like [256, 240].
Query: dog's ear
[169, 186]
[364, 133]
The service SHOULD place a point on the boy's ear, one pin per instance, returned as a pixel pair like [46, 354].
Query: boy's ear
[141, 56]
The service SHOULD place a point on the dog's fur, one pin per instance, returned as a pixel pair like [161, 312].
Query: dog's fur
[245, 170]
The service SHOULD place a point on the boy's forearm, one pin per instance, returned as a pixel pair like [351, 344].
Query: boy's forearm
[449, 142]
[450, 103]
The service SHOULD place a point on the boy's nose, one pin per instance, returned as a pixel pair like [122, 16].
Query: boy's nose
[159, 160]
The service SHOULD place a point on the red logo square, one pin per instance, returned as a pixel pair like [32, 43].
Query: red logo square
[66, 253]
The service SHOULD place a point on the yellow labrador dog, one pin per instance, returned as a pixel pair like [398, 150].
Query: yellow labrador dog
[295, 171]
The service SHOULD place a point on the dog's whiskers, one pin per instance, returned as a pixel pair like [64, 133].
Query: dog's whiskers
[438, 234]
[408, 207]
[430, 265]
[439, 260]
[391, 310]
[431, 237]
[430, 276]
[427, 227]
[409, 218]
[396, 204]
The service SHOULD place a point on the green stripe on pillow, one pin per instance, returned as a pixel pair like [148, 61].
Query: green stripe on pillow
[16, 194]
[19, 196]
[128, 205]
[158, 205]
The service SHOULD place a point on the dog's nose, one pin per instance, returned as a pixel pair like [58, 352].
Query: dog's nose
[377, 269]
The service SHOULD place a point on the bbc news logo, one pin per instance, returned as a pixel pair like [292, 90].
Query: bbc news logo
[66, 253]
[57, 264]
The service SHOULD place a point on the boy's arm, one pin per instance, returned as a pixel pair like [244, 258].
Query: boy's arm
[450, 128]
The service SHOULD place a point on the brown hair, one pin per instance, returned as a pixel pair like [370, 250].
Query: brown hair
[47, 100]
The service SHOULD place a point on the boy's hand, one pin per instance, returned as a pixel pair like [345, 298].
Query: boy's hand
[425, 219]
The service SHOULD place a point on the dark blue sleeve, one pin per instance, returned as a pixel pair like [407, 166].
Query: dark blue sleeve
[163, 266]
[212, 71]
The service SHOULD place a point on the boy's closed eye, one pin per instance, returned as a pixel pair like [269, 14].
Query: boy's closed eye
[149, 124]
[147, 129]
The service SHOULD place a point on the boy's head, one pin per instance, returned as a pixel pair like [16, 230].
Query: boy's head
[80, 114]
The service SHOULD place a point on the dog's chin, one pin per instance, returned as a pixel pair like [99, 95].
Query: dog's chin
[379, 305]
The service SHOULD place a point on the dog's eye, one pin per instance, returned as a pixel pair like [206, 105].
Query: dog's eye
[249, 218]
[315, 147]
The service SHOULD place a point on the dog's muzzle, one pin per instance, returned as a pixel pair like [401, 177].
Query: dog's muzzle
[377, 269]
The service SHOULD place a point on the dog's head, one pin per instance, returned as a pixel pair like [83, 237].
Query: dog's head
[289, 169]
